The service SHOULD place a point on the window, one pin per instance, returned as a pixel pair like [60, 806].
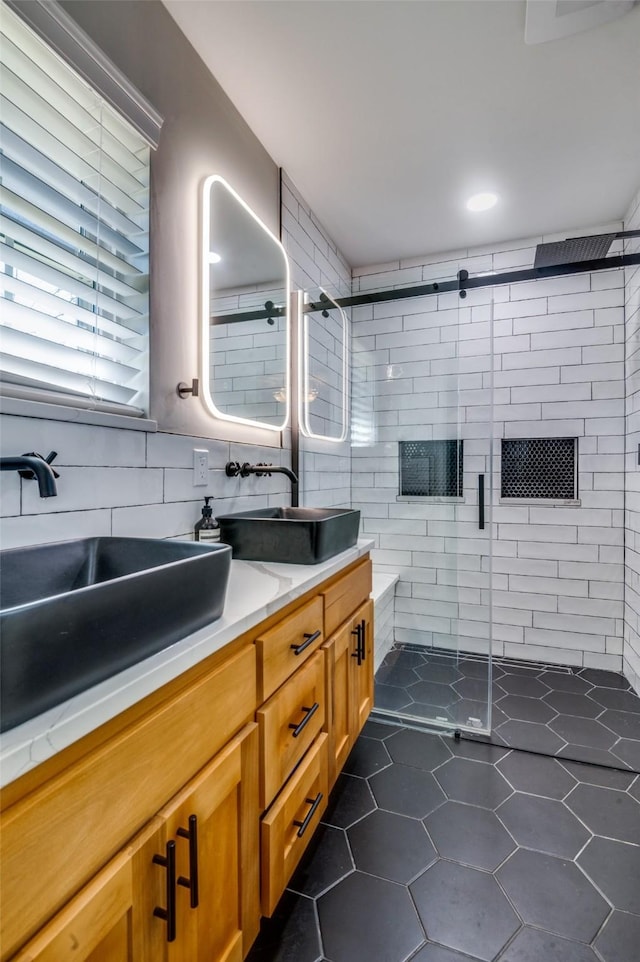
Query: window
[539, 468]
[431, 469]
[74, 235]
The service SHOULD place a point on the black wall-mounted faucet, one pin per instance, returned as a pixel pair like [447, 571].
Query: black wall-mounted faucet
[234, 468]
[33, 466]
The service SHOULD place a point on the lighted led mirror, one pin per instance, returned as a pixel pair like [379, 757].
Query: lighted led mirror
[245, 312]
[324, 382]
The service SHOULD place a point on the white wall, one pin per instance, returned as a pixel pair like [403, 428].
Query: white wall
[631, 651]
[423, 365]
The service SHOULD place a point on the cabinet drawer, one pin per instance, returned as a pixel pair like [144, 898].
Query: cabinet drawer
[343, 597]
[291, 821]
[289, 722]
[283, 648]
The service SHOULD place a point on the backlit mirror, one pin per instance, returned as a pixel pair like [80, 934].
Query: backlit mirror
[245, 303]
[324, 394]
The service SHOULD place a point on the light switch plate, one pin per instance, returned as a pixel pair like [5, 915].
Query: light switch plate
[200, 466]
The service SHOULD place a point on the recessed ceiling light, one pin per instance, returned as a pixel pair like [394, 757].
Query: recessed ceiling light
[214, 258]
[482, 202]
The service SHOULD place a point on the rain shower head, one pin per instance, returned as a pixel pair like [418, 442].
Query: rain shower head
[577, 249]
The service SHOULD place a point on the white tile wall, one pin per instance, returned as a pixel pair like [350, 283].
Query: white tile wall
[422, 369]
[631, 647]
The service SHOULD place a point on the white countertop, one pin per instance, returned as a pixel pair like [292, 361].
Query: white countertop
[255, 592]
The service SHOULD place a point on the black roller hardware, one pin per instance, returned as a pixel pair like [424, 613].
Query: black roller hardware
[191, 883]
[303, 826]
[309, 640]
[310, 712]
[168, 915]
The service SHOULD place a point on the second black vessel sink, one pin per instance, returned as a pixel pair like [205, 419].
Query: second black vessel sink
[302, 536]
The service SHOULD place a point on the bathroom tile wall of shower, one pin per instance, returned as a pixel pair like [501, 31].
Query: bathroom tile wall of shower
[421, 367]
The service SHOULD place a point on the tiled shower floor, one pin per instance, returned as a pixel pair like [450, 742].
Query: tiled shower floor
[584, 713]
[435, 850]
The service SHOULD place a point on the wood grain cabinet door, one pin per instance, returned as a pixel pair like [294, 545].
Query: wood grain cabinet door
[339, 652]
[362, 669]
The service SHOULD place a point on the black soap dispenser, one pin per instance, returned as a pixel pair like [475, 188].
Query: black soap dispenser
[207, 528]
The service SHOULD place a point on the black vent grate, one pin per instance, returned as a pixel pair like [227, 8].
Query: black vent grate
[539, 468]
[431, 469]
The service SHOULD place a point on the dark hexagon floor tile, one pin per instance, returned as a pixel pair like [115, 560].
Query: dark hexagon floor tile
[367, 756]
[553, 894]
[597, 775]
[628, 751]
[475, 748]
[364, 918]
[615, 869]
[623, 723]
[619, 700]
[570, 703]
[634, 790]
[406, 791]
[476, 689]
[396, 675]
[533, 945]
[325, 862]
[566, 681]
[404, 657]
[418, 749]
[620, 938]
[498, 717]
[290, 935]
[523, 685]
[477, 783]
[441, 674]
[526, 709]
[474, 667]
[582, 731]
[543, 824]
[390, 698]
[536, 774]
[379, 730]
[350, 800]
[431, 693]
[464, 909]
[531, 736]
[469, 713]
[470, 835]
[391, 846]
[428, 712]
[437, 953]
[606, 812]
[592, 756]
[605, 679]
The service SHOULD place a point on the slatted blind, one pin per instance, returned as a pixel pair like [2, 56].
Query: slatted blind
[74, 234]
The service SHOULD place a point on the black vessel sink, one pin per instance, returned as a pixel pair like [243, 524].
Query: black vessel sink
[302, 536]
[76, 612]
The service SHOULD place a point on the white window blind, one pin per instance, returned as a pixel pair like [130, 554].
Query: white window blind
[74, 235]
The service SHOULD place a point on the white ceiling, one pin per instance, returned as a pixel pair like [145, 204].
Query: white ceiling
[388, 114]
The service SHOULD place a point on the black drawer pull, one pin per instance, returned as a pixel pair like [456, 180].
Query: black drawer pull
[310, 712]
[363, 647]
[314, 802]
[481, 501]
[168, 915]
[309, 640]
[191, 883]
[357, 631]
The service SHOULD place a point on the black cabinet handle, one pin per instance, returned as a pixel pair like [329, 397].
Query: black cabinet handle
[191, 883]
[358, 632]
[309, 640]
[168, 915]
[310, 712]
[303, 826]
[363, 647]
[481, 501]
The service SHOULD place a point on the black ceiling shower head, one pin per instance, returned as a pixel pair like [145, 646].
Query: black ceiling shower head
[577, 249]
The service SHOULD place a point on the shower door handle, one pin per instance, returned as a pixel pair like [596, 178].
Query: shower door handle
[481, 501]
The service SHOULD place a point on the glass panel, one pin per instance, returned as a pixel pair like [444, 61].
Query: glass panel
[324, 395]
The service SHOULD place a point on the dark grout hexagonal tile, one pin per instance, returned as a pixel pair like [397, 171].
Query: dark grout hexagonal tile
[566, 681]
[553, 894]
[477, 749]
[350, 800]
[526, 709]
[619, 700]
[477, 783]
[582, 731]
[543, 824]
[391, 846]
[620, 938]
[628, 751]
[536, 774]
[615, 869]
[533, 945]
[531, 736]
[523, 685]
[365, 918]
[597, 775]
[442, 674]
[476, 689]
[367, 756]
[380, 730]
[390, 698]
[470, 835]
[325, 862]
[606, 812]
[606, 679]
[396, 675]
[634, 789]
[474, 667]
[290, 935]
[623, 723]
[404, 657]
[464, 909]
[406, 791]
[592, 756]
[418, 749]
[570, 703]
[437, 953]
[431, 693]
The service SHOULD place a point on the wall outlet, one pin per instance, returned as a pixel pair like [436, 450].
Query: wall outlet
[200, 466]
